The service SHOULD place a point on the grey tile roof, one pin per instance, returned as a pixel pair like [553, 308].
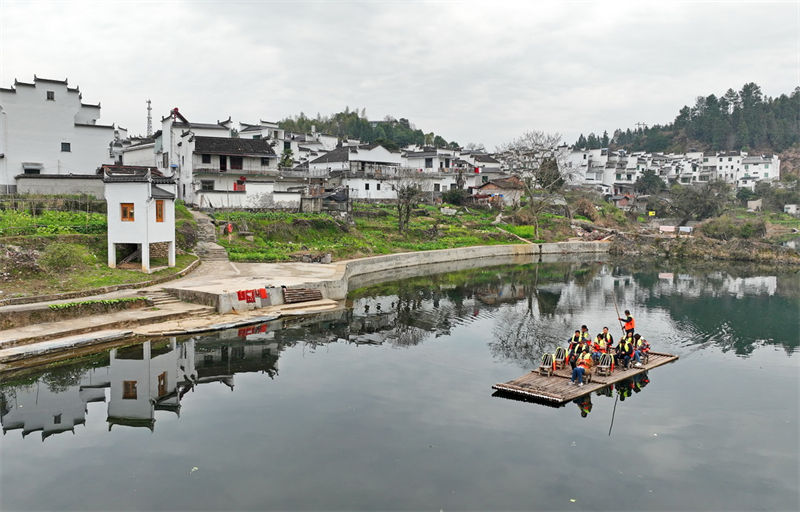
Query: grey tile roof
[341, 154]
[160, 193]
[231, 146]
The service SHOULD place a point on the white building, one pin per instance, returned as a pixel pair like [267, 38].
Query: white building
[218, 172]
[365, 157]
[45, 129]
[618, 170]
[141, 211]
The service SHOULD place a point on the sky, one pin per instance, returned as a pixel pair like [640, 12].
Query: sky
[469, 71]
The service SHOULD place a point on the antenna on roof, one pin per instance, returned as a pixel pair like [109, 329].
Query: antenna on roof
[149, 119]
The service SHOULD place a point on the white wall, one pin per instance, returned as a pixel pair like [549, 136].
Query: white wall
[144, 226]
[34, 127]
[139, 155]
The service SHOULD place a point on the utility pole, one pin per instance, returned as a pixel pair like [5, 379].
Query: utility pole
[641, 125]
[149, 119]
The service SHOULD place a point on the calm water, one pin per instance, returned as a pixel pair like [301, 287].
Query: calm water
[388, 404]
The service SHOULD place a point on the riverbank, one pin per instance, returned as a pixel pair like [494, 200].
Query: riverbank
[218, 285]
[688, 248]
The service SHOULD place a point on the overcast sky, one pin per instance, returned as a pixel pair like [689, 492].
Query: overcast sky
[470, 71]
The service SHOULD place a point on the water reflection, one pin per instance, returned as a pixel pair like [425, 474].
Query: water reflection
[532, 309]
[135, 381]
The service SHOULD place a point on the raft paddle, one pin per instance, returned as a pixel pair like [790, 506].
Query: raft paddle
[614, 296]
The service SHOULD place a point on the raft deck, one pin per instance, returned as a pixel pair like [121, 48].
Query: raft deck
[557, 388]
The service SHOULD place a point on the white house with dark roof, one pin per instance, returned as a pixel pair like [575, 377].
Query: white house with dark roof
[47, 130]
[174, 129]
[431, 159]
[365, 157]
[218, 172]
[140, 210]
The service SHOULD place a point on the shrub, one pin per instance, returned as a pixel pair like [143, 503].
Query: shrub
[586, 208]
[185, 235]
[456, 196]
[62, 256]
[727, 228]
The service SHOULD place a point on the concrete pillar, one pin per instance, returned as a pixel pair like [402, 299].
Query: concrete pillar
[145, 257]
[171, 254]
[112, 254]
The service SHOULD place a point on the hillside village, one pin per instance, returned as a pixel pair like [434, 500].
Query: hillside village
[52, 142]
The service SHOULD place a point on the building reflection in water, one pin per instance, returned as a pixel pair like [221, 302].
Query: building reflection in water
[531, 307]
[136, 382]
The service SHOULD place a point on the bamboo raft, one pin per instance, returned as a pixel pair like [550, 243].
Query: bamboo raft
[556, 388]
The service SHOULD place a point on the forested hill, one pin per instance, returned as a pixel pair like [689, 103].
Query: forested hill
[743, 120]
[391, 132]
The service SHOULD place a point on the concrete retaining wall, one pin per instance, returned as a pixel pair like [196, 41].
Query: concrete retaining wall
[377, 269]
[521, 254]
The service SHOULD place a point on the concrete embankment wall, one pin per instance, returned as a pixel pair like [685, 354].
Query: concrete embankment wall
[376, 269]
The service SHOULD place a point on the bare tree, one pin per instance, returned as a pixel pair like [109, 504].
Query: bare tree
[539, 159]
[409, 190]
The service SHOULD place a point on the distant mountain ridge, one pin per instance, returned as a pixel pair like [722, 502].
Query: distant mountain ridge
[744, 120]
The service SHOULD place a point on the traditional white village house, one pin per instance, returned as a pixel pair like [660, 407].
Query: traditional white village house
[47, 131]
[219, 172]
[431, 159]
[141, 210]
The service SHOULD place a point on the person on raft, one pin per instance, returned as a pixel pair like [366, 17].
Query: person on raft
[630, 323]
[583, 365]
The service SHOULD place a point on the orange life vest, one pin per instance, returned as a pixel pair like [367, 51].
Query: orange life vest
[630, 324]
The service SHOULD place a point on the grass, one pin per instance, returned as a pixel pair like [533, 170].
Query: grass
[50, 222]
[92, 276]
[281, 236]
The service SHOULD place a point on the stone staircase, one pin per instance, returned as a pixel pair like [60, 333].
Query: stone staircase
[161, 298]
[210, 251]
[207, 247]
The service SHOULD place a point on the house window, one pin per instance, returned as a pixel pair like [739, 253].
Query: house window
[275, 134]
[264, 161]
[207, 185]
[159, 210]
[162, 384]
[206, 159]
[366, 186]
[126, 212]
[182, 160]
[30, 170]
[378, 186]
[453, 186]
[129, 390]
[619, 176]
[428, 163]
[766, 166]
[437, 187]
[239, 186]
[66, 147]
[165, 160]
[57, 419]
[257, 136]
[236, 162]
[51, 96]
[287, 144]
